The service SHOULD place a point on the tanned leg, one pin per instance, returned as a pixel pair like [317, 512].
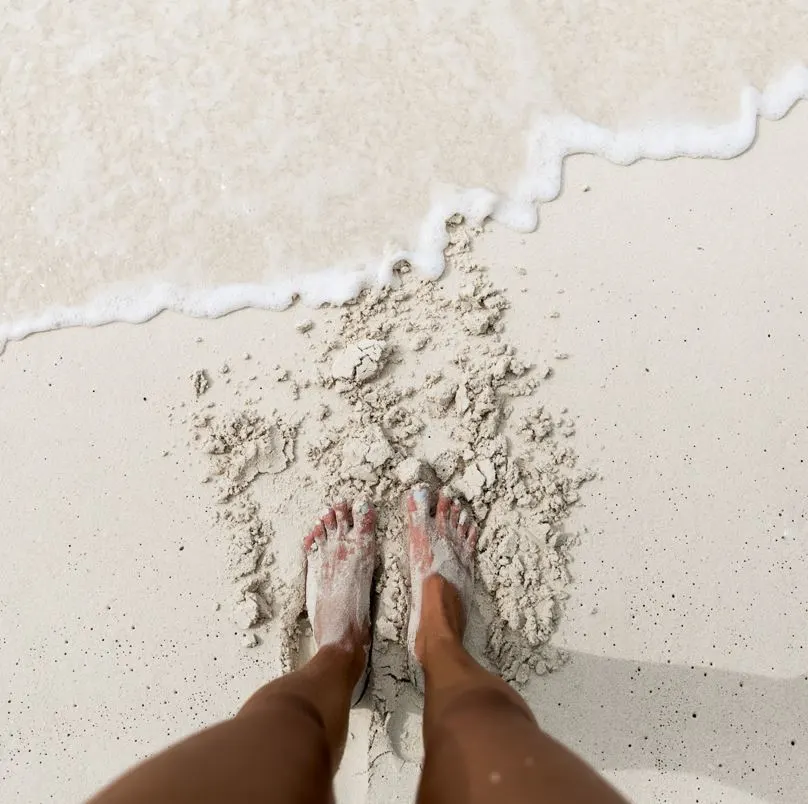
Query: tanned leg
[482, 743]
[286, 743]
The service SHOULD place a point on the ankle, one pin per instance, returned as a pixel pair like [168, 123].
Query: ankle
[443, 608]
[345, 660]
[443, 618]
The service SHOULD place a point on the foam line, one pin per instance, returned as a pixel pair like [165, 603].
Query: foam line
[549, 143]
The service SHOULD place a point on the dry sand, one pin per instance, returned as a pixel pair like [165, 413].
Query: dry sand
[669, 300]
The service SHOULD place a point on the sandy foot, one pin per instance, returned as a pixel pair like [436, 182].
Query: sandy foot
[341, 553]
[443, 545]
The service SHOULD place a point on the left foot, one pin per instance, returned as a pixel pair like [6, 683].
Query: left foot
[341, 553]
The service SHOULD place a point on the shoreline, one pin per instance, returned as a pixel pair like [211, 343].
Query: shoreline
[549, 144]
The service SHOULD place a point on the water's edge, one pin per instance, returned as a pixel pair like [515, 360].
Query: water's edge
[548, 144]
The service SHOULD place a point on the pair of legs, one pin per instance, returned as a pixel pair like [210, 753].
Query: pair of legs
[481, 741]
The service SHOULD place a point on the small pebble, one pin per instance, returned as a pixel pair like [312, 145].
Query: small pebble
[250, 640]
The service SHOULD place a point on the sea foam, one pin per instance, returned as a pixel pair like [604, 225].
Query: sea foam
[549, 142]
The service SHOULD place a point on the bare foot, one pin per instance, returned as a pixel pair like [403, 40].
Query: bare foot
[441, 569]
[341, 553]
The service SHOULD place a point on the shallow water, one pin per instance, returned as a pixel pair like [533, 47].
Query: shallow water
[151, 155]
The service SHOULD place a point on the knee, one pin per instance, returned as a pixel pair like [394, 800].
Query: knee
[477, 718]
[488, 703]
[479, 736]
[273, 699]
[293, 724]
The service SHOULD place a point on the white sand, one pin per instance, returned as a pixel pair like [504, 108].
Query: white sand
[681, 294]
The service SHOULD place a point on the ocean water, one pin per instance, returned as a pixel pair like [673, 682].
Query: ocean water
[208, 156]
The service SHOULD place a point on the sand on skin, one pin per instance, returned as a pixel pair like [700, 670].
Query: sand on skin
[683, 315]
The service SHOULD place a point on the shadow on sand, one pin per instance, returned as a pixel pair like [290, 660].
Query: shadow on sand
[746, 731]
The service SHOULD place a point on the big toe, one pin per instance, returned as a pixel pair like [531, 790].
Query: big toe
[418, 506]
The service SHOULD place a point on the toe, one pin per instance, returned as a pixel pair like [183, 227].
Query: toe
[468, 544]
[364, 516]
[442, 513]
[344, 522]
[418, 505]
[463, 522]
[454, 514]
[329, 521]
[315, 536]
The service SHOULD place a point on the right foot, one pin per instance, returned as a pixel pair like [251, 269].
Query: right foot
[441, 569]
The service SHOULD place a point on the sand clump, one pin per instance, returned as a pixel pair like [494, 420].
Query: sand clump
[201, 381]
[359, 361]
[241, 445]
[413, 382]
